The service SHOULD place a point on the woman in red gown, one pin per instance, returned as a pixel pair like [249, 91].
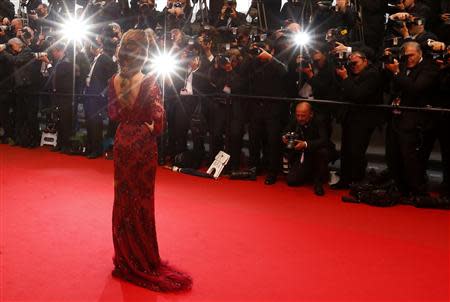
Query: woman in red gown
[135, 103]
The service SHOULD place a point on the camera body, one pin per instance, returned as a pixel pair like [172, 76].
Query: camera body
[339, 34]
[341, 59]
[6, 28]
[38, 55]
[292, 138]
[223, 60]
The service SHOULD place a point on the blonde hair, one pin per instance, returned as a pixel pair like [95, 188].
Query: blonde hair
[132, 54]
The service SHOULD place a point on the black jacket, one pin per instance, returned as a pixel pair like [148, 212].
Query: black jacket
[62, 76]
[104, 69]
[314, 133]
[417, 89]
[363, 89]
[6, 9]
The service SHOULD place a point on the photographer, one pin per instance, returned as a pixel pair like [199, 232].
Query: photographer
[229, 75]
[298, 11]
[320, 74]
[306, 140]
[102, 69]
[411, 7]
[413, 29]
[360, 84]
[176, 14]
[6, 9]
[266, 116]
[189, 109]
[147, 15]
[340, 15]
[26, 82]
[414, 82]
[62, 84]
[229, 16]
[443, 26]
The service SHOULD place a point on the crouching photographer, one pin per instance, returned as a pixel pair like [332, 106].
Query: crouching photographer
[307, 144]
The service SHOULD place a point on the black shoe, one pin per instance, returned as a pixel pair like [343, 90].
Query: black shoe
[94, 155]
[270, 179]
[318, 189]
[340, 185]
[109, 155]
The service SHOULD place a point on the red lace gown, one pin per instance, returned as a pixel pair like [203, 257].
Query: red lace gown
[136, 256]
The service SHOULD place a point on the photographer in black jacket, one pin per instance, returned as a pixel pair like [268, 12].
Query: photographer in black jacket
[62, 84]
[26, 75]
[266, 116]
[102, 69]
[414, 82]
[360, 84]
[229, 75]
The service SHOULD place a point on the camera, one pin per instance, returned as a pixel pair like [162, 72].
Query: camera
[255, 51]
[174, 5]
[291, 138]
[442, 56]
[223, 60]
[305, 62]
[341, 59]
[339, 34]
[394, 54]
[38, 55]
[6, 28]
[393, 42]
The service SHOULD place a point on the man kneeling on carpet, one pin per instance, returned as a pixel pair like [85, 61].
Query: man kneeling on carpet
[307, 145]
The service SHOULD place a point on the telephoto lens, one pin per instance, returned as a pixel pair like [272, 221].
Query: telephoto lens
[249, 174]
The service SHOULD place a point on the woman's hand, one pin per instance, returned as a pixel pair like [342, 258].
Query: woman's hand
[150, 126]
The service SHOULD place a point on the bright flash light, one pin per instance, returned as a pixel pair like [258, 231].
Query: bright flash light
[302, 38]
[163, 64]
[75, 29]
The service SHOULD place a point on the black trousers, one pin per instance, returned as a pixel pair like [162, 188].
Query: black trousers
[404, 154]
[228, 119]
[355, 141]
[26, 123]
[439, 132]
[65, 123]
[184, 111]
[95, 109]
[313, 168]
[7, 102]
[265, 128]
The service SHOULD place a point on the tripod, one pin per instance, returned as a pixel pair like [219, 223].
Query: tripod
[359, 27]
[257, 12]
[204, 11]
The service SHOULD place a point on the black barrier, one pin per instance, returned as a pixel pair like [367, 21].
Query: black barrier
[229, 97]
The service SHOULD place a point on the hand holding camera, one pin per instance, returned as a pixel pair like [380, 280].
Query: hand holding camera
[342, 72]
[445, 18]
[399, 16]
[394, 67]
[436, 45]
[264, 55]
[42, 56]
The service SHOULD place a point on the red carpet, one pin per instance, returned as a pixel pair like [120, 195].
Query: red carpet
[241, 241]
